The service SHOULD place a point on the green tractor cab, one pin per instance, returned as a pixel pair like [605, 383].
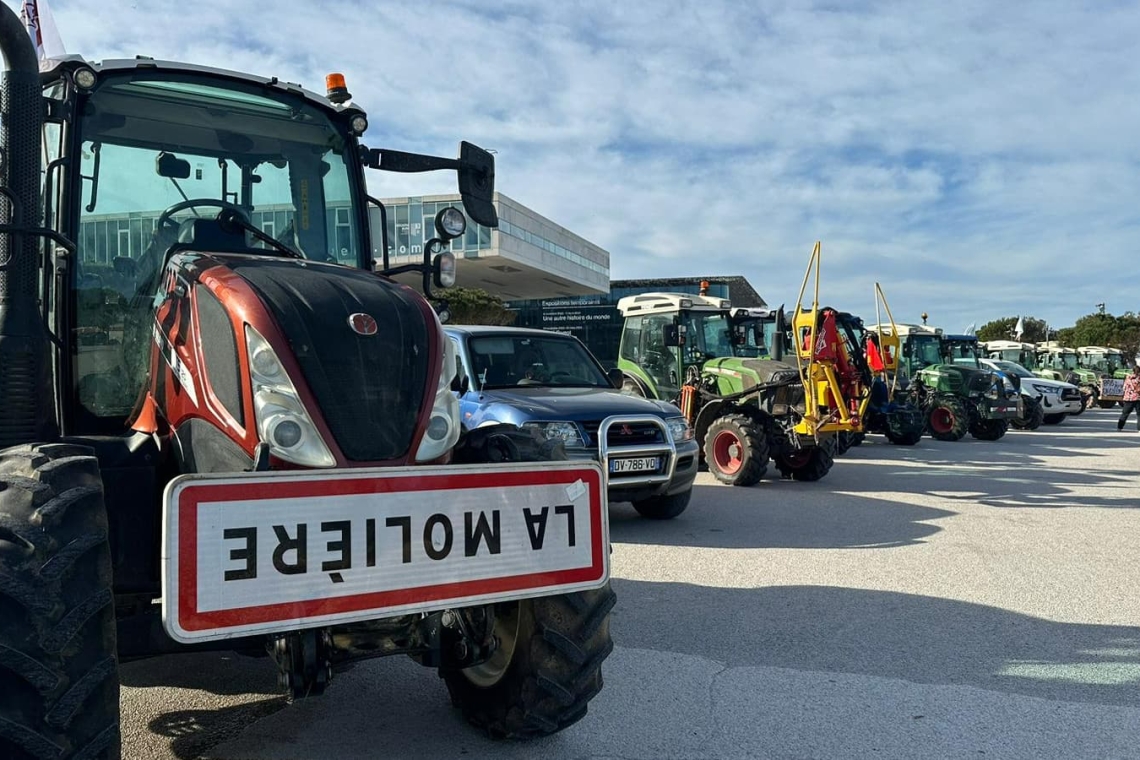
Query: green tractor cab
[1110, 369]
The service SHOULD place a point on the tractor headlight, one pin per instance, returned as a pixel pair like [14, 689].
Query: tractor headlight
[442, 431]
[564, 432]
[679, 429]
[282, 421]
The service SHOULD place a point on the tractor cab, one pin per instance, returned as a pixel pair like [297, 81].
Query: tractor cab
[920, 346]
[1057, 362]
[665, 334]
[1014, 351]
[760, 333]
[1104, 361]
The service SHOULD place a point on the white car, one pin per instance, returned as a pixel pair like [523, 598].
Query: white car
[1057, 399]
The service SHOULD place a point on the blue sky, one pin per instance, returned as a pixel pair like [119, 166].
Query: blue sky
[978, 159]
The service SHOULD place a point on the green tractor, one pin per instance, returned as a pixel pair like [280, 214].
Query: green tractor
[1108, 365]
[747, 409]
[958, 399]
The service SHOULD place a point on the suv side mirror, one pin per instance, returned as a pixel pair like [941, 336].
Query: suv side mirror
[460, 383]
[616, 376]
[670, 335]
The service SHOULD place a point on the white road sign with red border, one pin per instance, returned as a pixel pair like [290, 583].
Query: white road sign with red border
[270, 552]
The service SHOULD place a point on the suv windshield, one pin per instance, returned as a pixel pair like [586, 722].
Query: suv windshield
[504, 361]
[1013, 369]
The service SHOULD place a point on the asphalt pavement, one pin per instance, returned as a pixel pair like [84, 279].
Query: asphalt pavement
[947, 600]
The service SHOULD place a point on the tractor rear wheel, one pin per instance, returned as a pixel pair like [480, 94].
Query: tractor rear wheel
[59, 685]
[736, 450]
[1054, 419]
[989, 430]
[1032, 417]
[664, 507]
[808, 464]
[948, 419]
[857, 439]
[546, 670]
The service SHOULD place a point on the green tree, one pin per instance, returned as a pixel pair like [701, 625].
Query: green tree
[473, 306]
[1003, 329]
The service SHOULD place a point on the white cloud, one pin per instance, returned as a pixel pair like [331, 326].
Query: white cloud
[977, 159]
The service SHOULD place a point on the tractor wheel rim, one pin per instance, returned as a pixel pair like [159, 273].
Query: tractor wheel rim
[798, 459]
[942, 421]
[487, 674]
[728, 452]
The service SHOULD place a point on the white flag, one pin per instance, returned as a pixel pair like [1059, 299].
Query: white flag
[41, 27]
[1019, 328]
[970, 328]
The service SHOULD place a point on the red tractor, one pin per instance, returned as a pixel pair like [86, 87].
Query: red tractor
[225, 426]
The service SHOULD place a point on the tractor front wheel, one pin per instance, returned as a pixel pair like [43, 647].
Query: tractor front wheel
[989, 430]
[546, 669]
[59, 685]
[736, 450]
[908, 438]
[807, 464]
[1032, 417]
[948, 419]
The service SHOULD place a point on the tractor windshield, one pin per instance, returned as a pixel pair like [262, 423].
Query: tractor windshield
[963, 352]
[157, 154]
[923, 351]
[708, 335]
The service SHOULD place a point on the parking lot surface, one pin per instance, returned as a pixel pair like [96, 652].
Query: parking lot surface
[949, 600]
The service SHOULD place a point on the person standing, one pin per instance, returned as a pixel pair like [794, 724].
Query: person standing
[1131, 398]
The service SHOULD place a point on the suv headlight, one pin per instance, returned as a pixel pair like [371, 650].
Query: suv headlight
[679, 429]
[443, 424]
[566, 432]
[282, 421]
[1046, 389]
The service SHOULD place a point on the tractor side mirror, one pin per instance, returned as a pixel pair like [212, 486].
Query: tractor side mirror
[671, 335]
[460, 383]
[740, 335]
[617, 378]
[171, 166]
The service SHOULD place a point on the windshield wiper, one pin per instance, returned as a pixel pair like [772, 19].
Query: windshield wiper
[232, 222]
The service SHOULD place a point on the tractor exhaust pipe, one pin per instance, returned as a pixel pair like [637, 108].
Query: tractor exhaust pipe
[27, 395]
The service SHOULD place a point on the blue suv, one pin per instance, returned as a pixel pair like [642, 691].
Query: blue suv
[549, 384]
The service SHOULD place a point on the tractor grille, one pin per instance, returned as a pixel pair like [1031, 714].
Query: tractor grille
[633, 434]
[370, 389]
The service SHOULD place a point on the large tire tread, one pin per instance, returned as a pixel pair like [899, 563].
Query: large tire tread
[961, 418]
[819, 462]
[555, 671]
[755, 459]
[59, 687]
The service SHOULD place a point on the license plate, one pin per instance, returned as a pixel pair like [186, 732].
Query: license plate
[273, 552]
[636, 464]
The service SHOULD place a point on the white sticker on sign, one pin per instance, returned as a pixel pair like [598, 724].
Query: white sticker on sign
[575, 490]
